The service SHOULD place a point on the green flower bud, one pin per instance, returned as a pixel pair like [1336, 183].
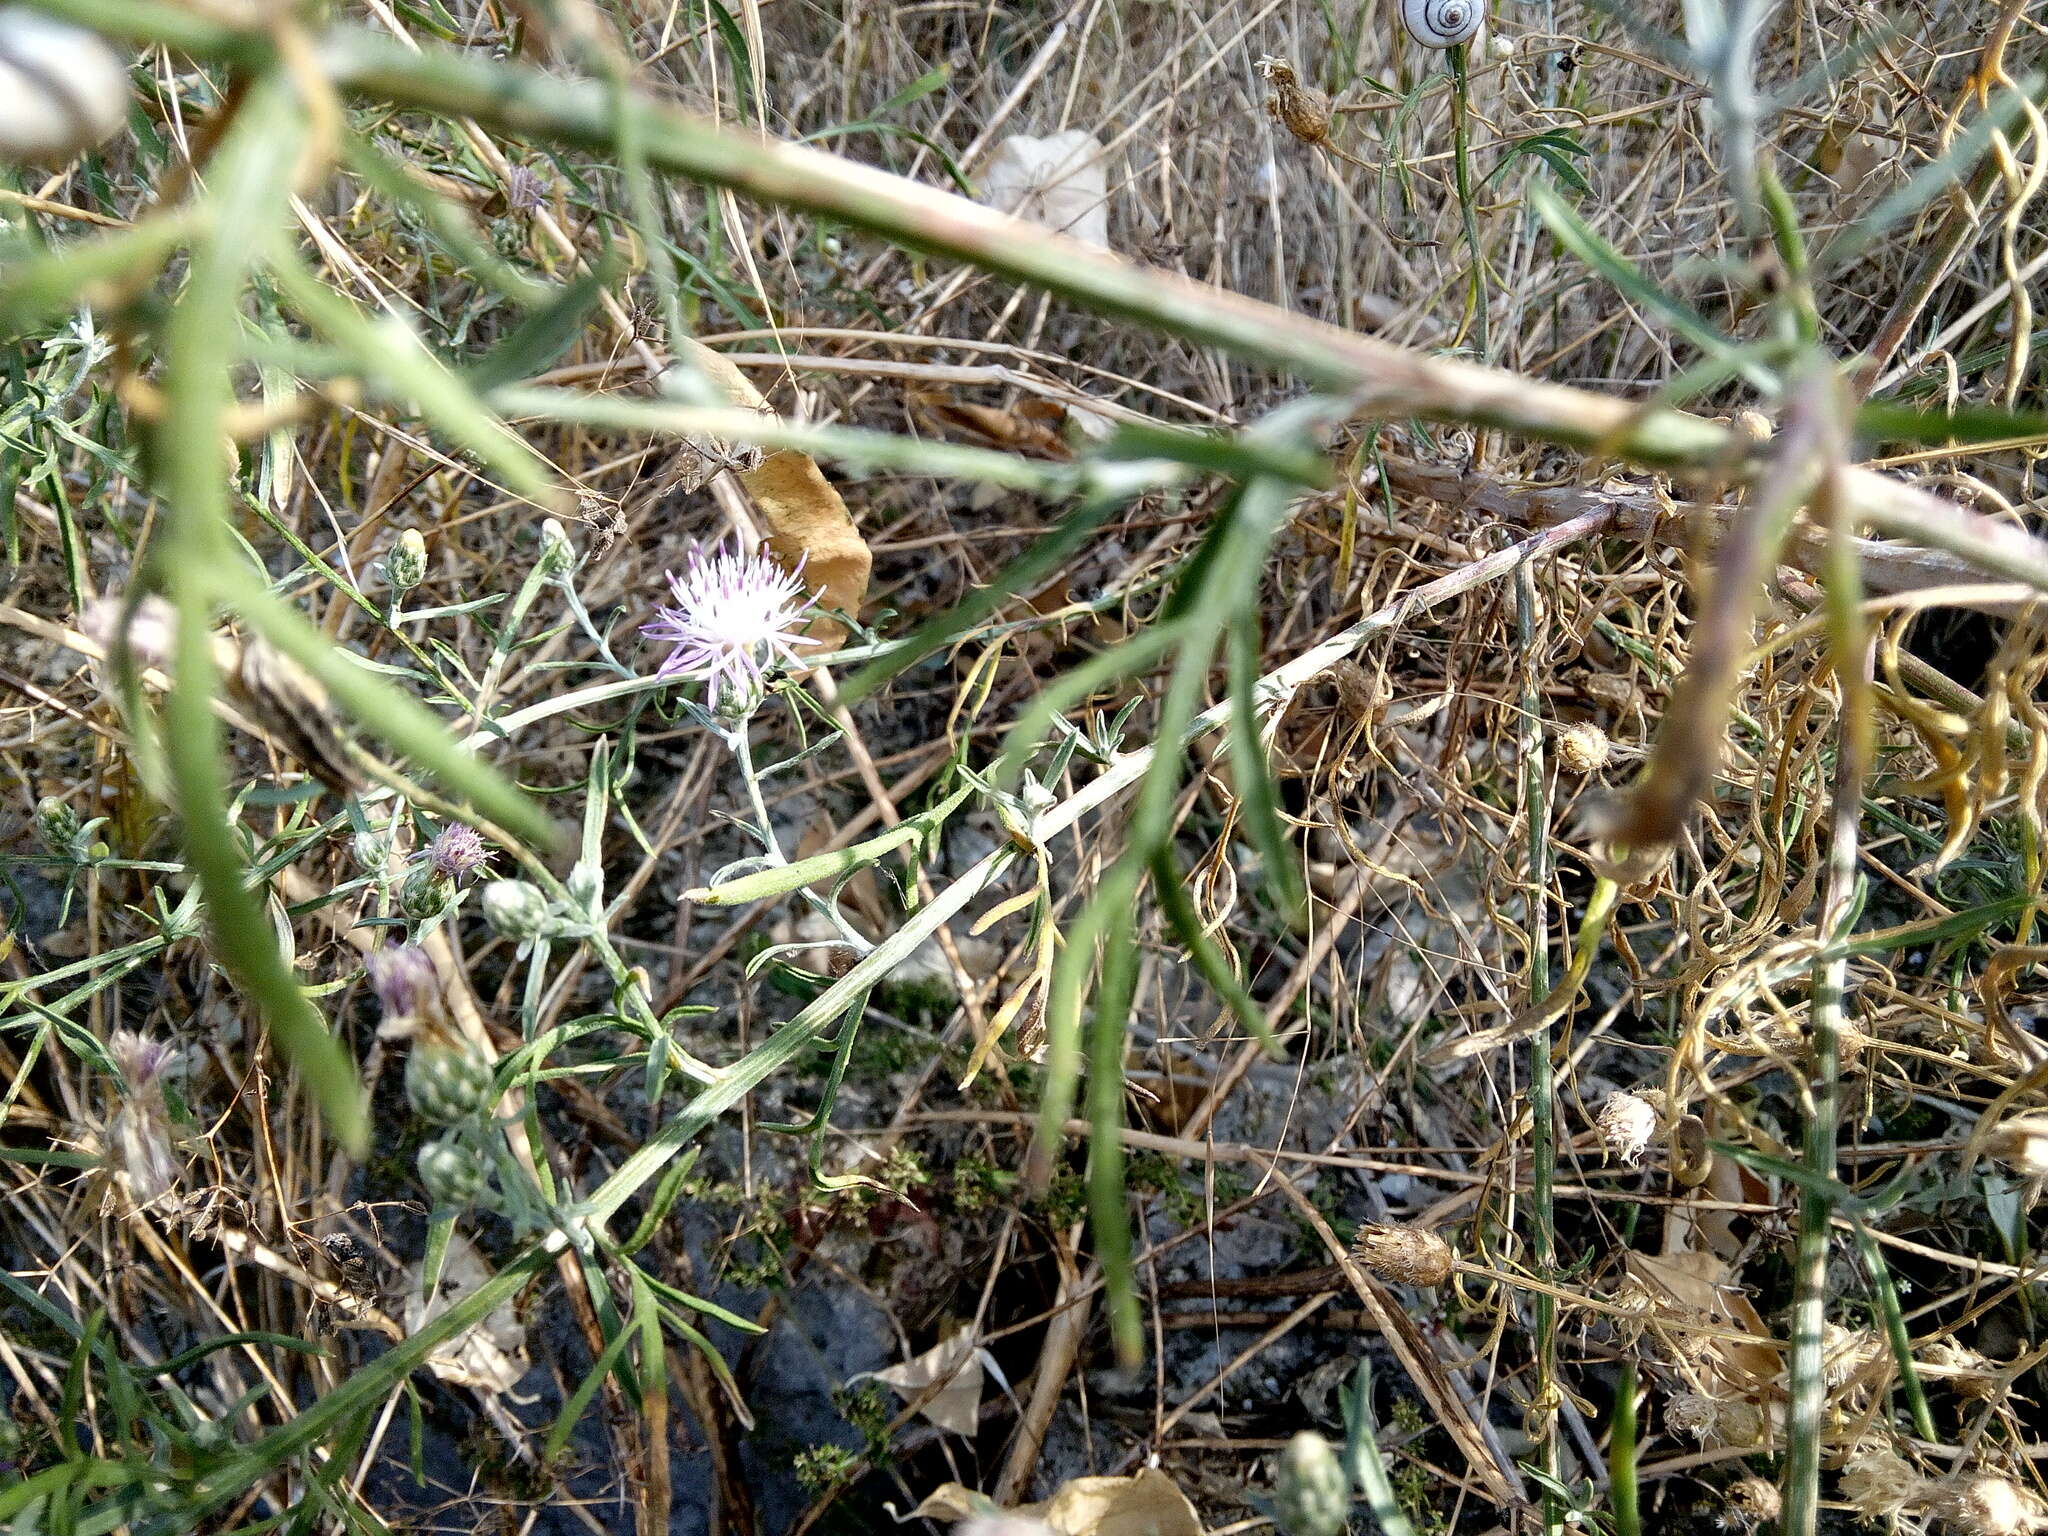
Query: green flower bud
[425, 894]
[452, 1172]
[1311, 1494]
[515, 909]
[56, 824]
[447, 1084]
[586, 886]
[372, 854]
[405, 565]
[557, 554]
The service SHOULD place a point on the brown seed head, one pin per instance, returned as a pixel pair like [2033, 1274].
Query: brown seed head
[1692, 1414]
[1582, 748]
[1406, 1255]
[1303, 110]
[1879, 1484]
[1754, 1501]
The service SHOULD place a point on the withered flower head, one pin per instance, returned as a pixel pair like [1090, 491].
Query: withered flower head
[1301, 109]
[1406, 1255]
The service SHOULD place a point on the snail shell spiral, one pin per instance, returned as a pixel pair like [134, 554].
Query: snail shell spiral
[1442, 23]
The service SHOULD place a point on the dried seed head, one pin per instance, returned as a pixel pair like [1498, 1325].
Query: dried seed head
[1846, 1351]
[1311, 1492]
[2021, 1143]
[1880, 1485]
[1302, 110]
[1406, 1255]
[1754, 1501]
[1741, 1422]
[1985, 1504]
[1969, 1373]
[1627, 1125]
[1582, 749]
[1691, 1414]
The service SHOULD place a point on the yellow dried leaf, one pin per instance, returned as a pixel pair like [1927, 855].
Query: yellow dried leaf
[805, 516]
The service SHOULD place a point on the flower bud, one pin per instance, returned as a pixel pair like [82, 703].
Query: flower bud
[62, 90]
[447, 1083]
[1311, 1494]
[56, 824]
[557, 554]
[586, 886]
[515, 909]
[425, 894]
[1406, 1255]
[452, 1171]
[405, 565]
[372, 854]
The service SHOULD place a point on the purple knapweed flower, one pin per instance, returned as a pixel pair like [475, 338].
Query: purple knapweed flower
[405, 981]
[735, 616]
[457, 852]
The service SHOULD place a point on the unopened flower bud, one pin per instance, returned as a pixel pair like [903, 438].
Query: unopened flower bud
[452, 1172]
[447, 1083]
[56, 824]
[62, 90]
[586, 886]
[425, 894]
[1311, 1494]
[515, 909]
[1405, 1255]
[405, 565]
[557, 554]
[372, 854]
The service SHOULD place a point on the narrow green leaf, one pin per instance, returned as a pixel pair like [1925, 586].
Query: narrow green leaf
[381, 709]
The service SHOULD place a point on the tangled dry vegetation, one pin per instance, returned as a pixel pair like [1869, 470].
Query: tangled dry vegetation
[1582, 967]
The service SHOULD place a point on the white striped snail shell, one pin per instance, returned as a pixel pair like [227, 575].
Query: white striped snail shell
[62, 90]
[1442, 23]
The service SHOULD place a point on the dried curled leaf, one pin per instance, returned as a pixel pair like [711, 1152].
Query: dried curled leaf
[806, 518]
